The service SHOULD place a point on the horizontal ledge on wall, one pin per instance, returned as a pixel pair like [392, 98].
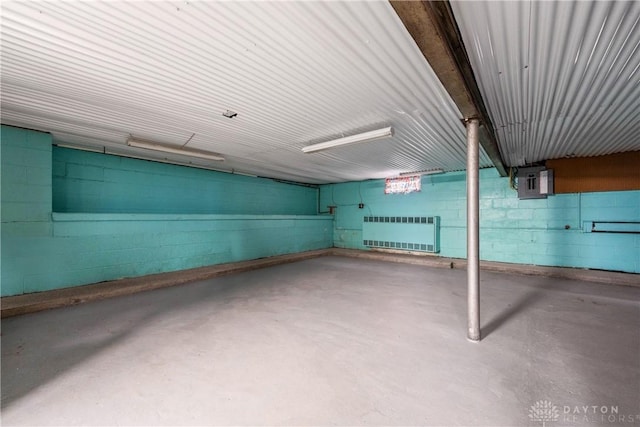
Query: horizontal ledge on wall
[93, 217]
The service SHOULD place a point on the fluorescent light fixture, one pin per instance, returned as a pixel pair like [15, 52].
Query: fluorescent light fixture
[173, 150]
[424, 172]
[79, 147]
[361, 137]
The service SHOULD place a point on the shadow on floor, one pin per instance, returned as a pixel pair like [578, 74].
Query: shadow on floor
[39, 347]
[512, 311]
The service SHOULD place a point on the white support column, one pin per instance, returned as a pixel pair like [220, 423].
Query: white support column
[473, 232]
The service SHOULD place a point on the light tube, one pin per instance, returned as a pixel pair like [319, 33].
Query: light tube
[78, 147]
[424, 172]
[166, 149]
[361, 137]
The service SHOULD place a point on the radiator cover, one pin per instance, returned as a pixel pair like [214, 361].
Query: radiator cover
[409, 233]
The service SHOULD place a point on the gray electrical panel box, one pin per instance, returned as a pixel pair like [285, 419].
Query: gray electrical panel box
[535, 182]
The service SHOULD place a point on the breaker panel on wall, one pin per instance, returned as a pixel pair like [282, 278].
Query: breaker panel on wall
[535, 182]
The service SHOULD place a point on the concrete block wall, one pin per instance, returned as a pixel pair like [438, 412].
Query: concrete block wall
[89, 248]
[539, 232]
[26, 177]
[109, 236]
[92, 182]
[25, 192]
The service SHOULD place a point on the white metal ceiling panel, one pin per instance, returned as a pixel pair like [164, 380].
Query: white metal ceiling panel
[559, 78]
[94, 73]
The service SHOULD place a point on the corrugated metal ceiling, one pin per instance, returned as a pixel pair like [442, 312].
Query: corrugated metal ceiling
[559, 78]
[94, 73]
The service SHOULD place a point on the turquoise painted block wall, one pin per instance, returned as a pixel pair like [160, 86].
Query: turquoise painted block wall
[512, 230]
[93, 182]
[88, 248]
[43, 250]
[25, 199]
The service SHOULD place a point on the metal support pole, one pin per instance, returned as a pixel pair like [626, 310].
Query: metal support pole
[473, 232]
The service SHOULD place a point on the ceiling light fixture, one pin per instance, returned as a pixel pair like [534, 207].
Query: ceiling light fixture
[361, 137]
[80, 147]
[424, 172]
[132, 142]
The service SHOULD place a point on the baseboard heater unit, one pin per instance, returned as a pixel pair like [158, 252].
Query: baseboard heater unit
[409, 233]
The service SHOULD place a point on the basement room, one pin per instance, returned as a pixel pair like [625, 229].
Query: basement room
[389, 213]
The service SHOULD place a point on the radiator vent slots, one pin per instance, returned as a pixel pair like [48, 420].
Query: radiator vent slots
[410, 233]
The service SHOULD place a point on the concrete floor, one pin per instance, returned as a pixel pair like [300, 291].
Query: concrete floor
[330, 341]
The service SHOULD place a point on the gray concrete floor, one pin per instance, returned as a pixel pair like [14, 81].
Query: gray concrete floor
[330, 341]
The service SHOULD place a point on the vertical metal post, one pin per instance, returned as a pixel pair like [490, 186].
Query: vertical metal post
[473, 232]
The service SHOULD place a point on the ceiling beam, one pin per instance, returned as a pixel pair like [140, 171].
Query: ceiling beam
[434, 29]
